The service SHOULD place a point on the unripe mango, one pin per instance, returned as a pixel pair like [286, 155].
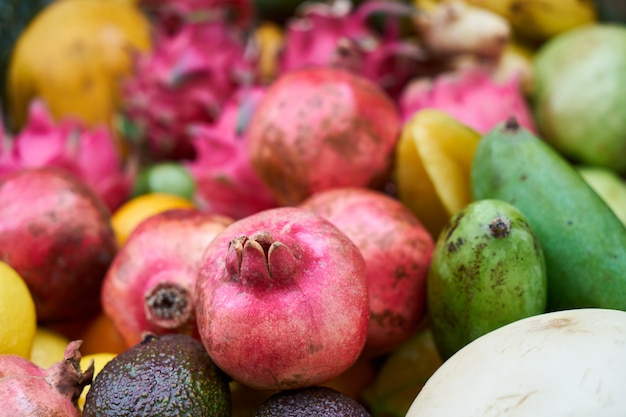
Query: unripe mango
[487, 270]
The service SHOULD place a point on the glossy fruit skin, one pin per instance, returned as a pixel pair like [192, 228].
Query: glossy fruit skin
[311, 401]
[339, 130]
[286, 314]
[18, 321]
[168, 375]
[397, 251]
[56, 233]
[432, 166]
[488, 270]
[514, 165]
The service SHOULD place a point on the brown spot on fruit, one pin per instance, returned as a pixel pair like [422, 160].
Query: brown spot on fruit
[500, 227]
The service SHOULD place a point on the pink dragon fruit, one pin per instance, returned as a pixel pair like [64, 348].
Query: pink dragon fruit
[172, 15]
[325, 31]
[90, 155]
[226, 183]
[185, 79]
[471, 96]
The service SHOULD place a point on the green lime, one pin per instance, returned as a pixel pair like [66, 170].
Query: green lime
[165, 177]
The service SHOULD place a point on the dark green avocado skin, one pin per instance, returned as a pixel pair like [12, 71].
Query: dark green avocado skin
[169, 375]
[315, 401]
[15, 15]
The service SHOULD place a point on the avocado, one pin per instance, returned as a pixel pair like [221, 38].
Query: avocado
[315, 401]
[167, 375]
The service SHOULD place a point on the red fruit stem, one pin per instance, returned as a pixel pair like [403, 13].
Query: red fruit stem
[67, 376]
[169, 306]
[261, 261]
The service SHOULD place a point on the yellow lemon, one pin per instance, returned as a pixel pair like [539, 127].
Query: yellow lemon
[48, 347]
[99, 360]
[18, 320]
[137, 209]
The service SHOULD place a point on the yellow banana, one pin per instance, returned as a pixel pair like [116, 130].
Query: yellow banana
[542, 19]
[539, 20]
[500, 7]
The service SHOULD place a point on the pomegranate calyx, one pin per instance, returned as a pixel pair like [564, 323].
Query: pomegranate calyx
[67, 376]
[168, 305]
[260, 260]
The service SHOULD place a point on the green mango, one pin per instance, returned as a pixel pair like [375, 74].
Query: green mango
[583, 241]
[487, 270]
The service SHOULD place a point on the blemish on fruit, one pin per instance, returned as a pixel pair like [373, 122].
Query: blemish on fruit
[500, 227]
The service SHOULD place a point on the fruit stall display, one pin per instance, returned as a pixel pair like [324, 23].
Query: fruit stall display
[257, 208]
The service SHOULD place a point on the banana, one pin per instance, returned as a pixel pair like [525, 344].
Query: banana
[583, 241]
[540, 20]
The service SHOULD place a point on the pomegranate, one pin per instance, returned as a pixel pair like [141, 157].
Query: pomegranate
[56, 233]
[150, 284]
[339, 129]
[397, 251]
[28, 390]
[282, 300]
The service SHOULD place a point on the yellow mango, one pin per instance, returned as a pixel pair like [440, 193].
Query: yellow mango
[432, 170]
[73, 55]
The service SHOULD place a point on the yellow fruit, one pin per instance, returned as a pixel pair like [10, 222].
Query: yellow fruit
[269, 38]
[539, 20]
[432, 171]
[18, 320]
[99, 360]
[73, 55]
[48, 347]
[137, 209]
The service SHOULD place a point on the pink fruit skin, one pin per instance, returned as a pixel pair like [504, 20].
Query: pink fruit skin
[30, 391]
[90, 154]
[339, 129]
[299, 319]
[315, 37]
[470, 96]
[57, 235]
[159, 259]
[397, 251]
[226, 183]
[186, 79]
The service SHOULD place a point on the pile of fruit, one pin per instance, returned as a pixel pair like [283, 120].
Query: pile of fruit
[333, 208]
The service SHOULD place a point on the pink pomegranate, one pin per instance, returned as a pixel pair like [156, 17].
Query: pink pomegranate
[226, 183]
[319, 128]
[150, 286]
[56, 233]
[90, 154]
[471, 96]
[397, 251]
[28, 390]
[282, 300]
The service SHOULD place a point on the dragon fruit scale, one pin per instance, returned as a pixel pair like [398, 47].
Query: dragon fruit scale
[323, 33]
[171, 15]
[471, 96]
[185, 79]
[226, 182]
[92, 154]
